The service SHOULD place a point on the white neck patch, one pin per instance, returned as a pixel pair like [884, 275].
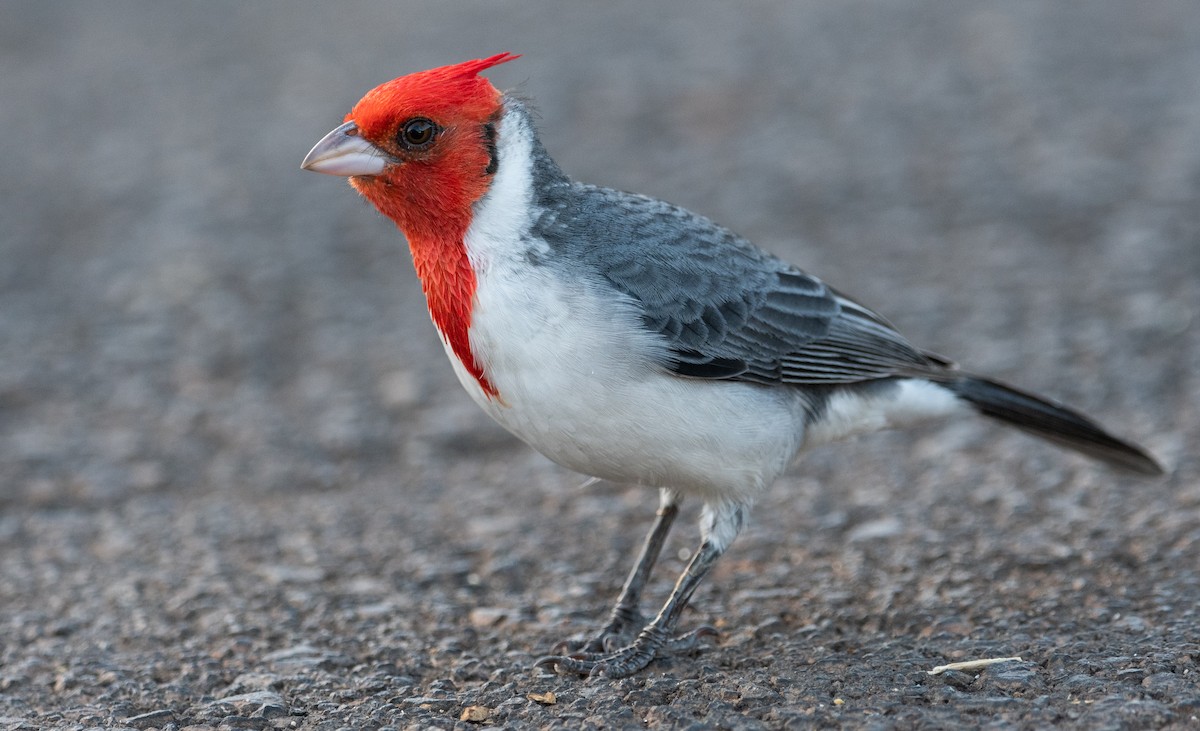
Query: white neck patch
[503, 216]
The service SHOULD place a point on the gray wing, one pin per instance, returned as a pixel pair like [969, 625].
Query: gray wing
[727, 309]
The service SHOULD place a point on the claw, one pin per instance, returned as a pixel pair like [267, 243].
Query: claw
[564, 664]
[549, 662]
[568, 647]
[691, 640]
[624, 661]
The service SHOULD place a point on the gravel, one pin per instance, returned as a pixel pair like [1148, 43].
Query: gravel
[244, 491]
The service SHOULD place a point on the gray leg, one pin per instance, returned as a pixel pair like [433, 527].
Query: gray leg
[626, 617]
[721, 526]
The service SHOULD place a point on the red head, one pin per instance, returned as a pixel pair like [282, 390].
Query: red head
[422, 149]
[417, 146]
[454, 92]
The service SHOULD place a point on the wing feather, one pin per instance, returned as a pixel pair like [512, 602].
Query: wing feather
[725, 308]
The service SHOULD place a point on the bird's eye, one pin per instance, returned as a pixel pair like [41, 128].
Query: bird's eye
[417, 134]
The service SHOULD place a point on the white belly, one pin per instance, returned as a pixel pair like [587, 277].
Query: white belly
[577, 382]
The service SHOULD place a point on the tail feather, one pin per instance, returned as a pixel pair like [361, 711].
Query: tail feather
[1051, 421]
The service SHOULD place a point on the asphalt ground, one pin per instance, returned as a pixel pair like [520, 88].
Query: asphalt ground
[242, 488]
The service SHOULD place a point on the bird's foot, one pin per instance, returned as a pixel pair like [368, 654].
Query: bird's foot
[619, 631]
[627, 660]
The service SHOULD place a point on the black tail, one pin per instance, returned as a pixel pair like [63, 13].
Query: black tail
[1051, 421]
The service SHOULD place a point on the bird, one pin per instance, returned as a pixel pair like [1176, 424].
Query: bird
[634, 341]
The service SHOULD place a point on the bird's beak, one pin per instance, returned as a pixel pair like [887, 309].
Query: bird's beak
[345, 152]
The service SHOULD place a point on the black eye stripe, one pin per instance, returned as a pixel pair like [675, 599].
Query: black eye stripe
[489, 139]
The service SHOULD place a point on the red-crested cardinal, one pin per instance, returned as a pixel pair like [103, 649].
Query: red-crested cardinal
[634, 341]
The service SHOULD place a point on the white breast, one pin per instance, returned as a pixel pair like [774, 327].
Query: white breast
[577, 371]
[577, 382]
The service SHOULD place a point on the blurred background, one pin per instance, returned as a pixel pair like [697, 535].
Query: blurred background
[233, 457]
[181, 308]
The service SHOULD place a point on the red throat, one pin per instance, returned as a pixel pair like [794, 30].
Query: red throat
[439, 253]
[449, 284]
[429, 191]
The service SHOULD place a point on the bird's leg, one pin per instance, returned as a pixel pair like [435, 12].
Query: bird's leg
[721, 526]
[653, 637]
[626, 617]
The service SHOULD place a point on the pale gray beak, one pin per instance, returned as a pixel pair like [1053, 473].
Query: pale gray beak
[345, 152]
